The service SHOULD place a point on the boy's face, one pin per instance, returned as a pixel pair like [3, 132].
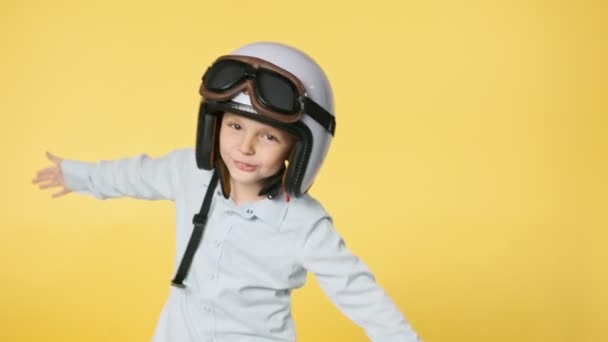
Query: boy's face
[252, 151]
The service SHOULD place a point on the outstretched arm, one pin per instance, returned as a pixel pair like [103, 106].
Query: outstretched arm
[350, 285]
[139, 177]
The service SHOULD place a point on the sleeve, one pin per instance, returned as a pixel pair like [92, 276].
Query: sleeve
[139, 177]
[350, 285]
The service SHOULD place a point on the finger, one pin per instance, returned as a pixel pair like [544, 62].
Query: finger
[39, 180]
[61, 193]
[53, 157]
[49, 185]
[51, 170]
[42, 176]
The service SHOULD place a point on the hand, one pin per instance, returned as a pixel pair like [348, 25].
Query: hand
[52, 176]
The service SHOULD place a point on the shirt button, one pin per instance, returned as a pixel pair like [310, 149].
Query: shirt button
[249, 211]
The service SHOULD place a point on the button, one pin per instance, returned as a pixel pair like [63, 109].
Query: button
[218, 192]
[249, 211]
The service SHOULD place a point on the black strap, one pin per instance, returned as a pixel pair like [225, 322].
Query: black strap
[320, 115]
[199, 221]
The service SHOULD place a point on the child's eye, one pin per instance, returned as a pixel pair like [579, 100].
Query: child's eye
[270, 137]
[234, 125]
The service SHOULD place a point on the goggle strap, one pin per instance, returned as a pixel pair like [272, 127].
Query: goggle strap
[320, 115]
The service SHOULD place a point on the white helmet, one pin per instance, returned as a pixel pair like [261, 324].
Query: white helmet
[291, 92]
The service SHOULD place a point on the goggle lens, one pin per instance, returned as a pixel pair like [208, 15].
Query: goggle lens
[276, 92]
[224, 75]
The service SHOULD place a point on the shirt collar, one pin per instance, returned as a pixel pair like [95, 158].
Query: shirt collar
[271, 211]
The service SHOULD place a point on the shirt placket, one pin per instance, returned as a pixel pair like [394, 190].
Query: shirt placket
[213, 244]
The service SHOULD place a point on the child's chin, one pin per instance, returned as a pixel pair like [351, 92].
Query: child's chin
[245, 178]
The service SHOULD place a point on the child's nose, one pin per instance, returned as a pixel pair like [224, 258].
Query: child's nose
[247, 145]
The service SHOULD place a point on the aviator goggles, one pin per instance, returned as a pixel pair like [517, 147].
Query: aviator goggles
[274, 92]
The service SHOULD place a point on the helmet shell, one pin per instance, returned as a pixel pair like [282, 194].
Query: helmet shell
[314, 140]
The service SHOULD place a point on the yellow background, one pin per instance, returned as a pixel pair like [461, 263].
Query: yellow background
[469, 169]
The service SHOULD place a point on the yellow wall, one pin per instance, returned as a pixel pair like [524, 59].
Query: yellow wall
[469, 168]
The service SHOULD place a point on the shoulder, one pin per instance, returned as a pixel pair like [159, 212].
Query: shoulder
[185, 163]
[184, 156]
[303, 213]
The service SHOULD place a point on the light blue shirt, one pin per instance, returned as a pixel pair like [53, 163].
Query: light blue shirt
[250, 259]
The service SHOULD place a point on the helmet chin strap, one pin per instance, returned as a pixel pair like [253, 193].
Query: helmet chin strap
[273, 185]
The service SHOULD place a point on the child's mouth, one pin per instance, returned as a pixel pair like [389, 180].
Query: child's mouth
[244, 166]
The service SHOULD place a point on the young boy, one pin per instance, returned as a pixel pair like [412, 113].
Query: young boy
[265, 124]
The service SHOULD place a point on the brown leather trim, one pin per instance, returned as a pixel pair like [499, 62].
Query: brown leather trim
[247, 87]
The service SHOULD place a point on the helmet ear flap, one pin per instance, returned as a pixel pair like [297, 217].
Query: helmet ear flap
[207, 137]
[208, 144]
[298, 161]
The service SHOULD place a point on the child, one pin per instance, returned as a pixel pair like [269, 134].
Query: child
[265, 124]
